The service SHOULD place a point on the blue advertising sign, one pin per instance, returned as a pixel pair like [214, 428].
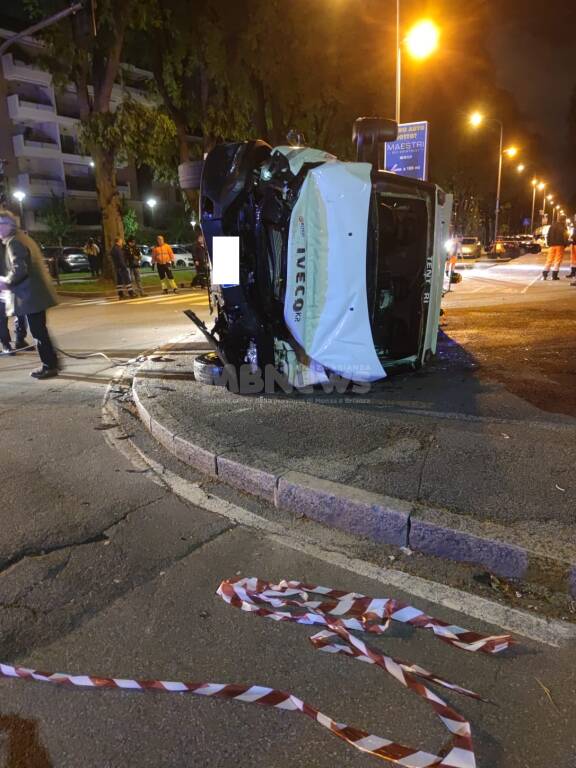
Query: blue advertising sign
[408, 155]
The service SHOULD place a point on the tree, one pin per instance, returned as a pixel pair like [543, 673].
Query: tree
[93, 42]
[60, 223]
[185, 48]
[130, 222]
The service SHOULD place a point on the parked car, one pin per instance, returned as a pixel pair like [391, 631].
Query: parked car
[541, 236]
[505, 248]
[528, 244]
[71, 259]
[341, 264]
[471, 247]
[182, 256]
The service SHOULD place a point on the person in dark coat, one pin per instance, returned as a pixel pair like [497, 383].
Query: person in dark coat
[123, 280]
[133, 257]
[27, 289]
[557, 241]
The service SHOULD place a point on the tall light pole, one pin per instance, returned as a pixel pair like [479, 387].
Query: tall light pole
[151, 202]
[20, 196]
[535, 185]
[398, 63]
[476, 119]
[421, 41]
[548, 198]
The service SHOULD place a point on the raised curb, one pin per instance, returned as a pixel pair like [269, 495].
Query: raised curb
[383, 519]
[349, 509]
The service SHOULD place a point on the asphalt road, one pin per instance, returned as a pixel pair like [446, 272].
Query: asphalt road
[106, 570]
[519, 330]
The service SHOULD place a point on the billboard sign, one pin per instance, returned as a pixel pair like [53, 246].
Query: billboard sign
[408, 155]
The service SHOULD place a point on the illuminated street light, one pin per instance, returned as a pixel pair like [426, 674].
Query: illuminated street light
[151, 202]
[421, 41]
[511, 151]
[476, 118]
[541, 186]
[20, 196]
[520, 168]
[91, 163]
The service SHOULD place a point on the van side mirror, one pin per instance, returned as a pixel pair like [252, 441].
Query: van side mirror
[368, 133]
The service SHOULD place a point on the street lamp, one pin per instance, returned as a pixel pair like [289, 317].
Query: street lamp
[476, 119]
[20, 196]
[520, 167]
[421, 41]
[151, 202]
[535, 185]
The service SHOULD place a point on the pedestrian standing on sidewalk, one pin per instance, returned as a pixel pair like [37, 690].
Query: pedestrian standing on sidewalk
[133, 257]
[163, 257]
[26, 289]
[123, 281]
[557, 242]
[93, 253]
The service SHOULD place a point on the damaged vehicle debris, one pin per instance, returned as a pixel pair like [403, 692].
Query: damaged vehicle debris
[340, 263]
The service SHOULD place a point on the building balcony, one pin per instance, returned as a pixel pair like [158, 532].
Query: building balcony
[79, 186]
[21, 110]
[14, 69]
[76, 158]
[40, 186]
[30, 148]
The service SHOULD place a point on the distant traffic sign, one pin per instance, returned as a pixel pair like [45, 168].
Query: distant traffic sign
[408, 155]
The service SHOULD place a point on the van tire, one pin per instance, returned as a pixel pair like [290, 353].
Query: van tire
[208, 368]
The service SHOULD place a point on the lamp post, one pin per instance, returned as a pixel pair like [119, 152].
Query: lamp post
[548, 198]
[151, 202]
[476, 119]
[20, 196]
[421, 41]
[535, 185]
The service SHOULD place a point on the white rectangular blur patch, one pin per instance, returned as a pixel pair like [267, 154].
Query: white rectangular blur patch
[226, 260]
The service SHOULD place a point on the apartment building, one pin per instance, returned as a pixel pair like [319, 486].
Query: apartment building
[39, 141]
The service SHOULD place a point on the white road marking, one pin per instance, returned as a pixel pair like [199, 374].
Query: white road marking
[530, 284]
[548, 631]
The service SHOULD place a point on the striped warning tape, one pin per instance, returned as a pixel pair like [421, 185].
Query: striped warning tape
[336, 610]
[353, 610]
[341, 612]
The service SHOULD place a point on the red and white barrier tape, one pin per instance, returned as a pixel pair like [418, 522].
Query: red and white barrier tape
[351, 609]
[339, 612]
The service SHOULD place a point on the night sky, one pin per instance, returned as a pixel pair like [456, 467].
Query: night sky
[531, 45]
[534, 51]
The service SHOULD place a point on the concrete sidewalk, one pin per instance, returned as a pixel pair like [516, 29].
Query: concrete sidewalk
[440, 460]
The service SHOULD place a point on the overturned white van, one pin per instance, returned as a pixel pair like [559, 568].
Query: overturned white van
[341, 264]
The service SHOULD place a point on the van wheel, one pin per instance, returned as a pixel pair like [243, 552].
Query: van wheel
[208, 368]
[180, 263]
